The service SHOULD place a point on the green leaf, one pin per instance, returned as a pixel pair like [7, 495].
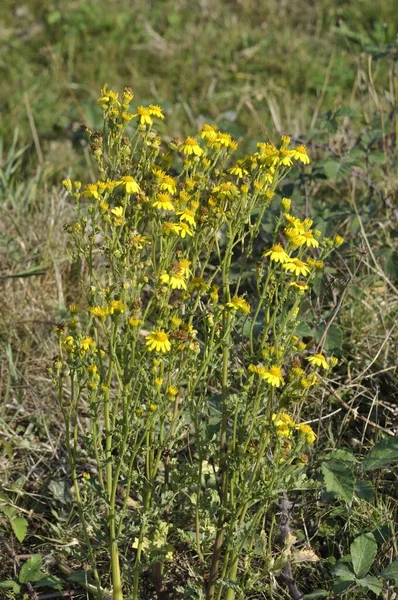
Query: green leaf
[391, 265]
[334, 339]
[363, 552]
[19, 527]
[370, 582]
[336, 169]
[8, 584]
[378, 158]
[339, 479]
[391, 572]
[343, 570]
[364, 490]
[50, 581]
[383, 454]
[317, 594]
[31, 570]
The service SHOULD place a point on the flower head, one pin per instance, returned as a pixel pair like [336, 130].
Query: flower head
[163, 202]
[277, 254]
[307, 432]
[158, 341]
[191, 146]
[130, 184]
[318, 360]
[176, 281]
[238, 303]
[273, 376]
[296, 266]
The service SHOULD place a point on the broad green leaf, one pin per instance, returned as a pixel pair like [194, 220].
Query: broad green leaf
[364, 490]
[343, 455]
[10, 585]
[339, 479]
[391, 572]
[370, 582]
[363, 552]
[31, 570]
[340, 585]
[19, 527]
[343, 570]
[383, 454]
[336, 169]
[378, 158]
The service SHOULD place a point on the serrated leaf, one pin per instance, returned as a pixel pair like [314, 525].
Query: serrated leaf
[19, 527]
[8, 584]
[371, 583]
[31, 570]
[339, 479]
[383, 454]
[363, 552]
[336, 169]
[391, 572]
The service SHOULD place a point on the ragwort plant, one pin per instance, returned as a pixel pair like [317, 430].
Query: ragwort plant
[185, 388]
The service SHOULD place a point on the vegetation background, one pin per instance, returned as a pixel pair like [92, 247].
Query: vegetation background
[324, 72]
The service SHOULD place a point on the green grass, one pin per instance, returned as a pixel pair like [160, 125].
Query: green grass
[255, 68]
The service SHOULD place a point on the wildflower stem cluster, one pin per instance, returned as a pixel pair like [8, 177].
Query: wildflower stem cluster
[181, 360]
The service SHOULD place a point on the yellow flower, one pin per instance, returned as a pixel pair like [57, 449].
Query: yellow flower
[69, 343]
[172, 390]
[131, 186]
[284, 424]
[87, 343]
[305, 238]
[135, 321]
[225, 190]
[191, 146]
[188, 216]
[99, 311]
[91, 190]
[239, 304]
[286, 204]
[277, 254]
[158, 381]
[318, 360]
[118, 215]
[167, 182]
[158, 341]
[169, 227]
[300, 153]
[176, 281]
[139, 241]
[296, 266]
[155, 111]
[208, 132]
[198, 284]
[273, 376]
[144, 115]
[67, 184]
[338, 240]
[176, 321]
[238, 170]
[258, 369]
[184, 265]
[116, 307]
[184, 230]
[163, 202]
[307, 432]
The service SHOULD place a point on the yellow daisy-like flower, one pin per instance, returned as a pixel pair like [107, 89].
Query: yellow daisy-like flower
[117, 213]
[166, 182]
[296, 266]
[307, 432]
[318, 360]
[116, 307]
[305, 238]
[273, 376]
[225, 190]
[91, 191]
[144, 115]
[139, 241]
[277, 254]
[163, 202]
[169, 227]
[338, 240]
[155, 111]
[172, 390]
[191, 146]
[208, 132]
[87, 343]
[299, 285]
[239, 304]
[188, 216]
[284, 425]
[158, 341]
[184, 265]
[184, 230]
[99, 311]
[176, 281]
[238, 170]
[130, 184]
[260, 370]
[300, 153]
